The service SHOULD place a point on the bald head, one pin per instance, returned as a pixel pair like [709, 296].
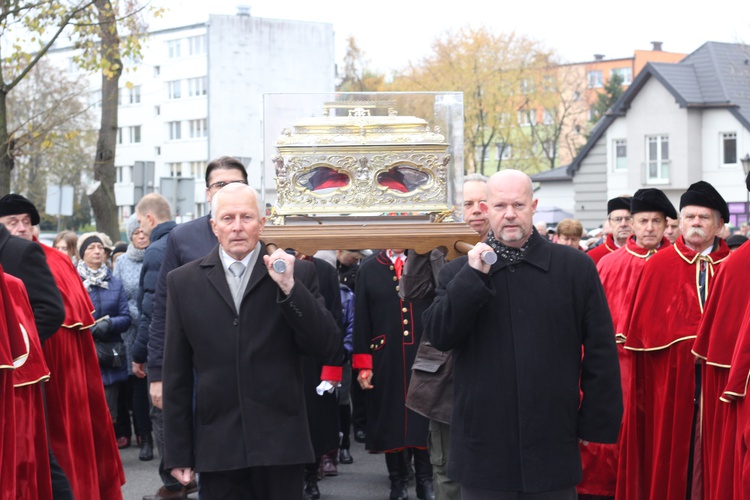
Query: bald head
[511, 207]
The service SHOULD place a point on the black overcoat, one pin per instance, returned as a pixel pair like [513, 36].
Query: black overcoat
[387, 330]
[523, 394]
[247, 368]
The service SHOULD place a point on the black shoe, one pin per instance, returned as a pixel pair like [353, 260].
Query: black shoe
[311, 491]
[192, 487]
[424, 490]
[165, 494]
[147, 449]
[345, 457]
[359, 435]
[398, 490]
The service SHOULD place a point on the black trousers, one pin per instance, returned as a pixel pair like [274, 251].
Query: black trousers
[277, 482]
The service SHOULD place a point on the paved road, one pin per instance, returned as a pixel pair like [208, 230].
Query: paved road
[365, 479]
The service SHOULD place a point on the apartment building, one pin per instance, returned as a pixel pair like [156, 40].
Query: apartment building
[197, 94]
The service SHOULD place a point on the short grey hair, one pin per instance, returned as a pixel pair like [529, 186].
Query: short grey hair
[236, 186]
[475, 177]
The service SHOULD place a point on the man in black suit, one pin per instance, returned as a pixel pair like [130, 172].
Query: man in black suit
[237, 328]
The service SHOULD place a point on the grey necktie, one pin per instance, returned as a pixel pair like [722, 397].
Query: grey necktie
[236, 269]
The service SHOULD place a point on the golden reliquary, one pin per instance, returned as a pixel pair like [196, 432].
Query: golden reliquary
[361, 163]
[366, 176]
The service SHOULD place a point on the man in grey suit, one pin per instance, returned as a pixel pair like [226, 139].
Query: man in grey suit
[237, 328]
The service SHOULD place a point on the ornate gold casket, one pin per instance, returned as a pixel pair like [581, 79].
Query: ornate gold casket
[359, 173]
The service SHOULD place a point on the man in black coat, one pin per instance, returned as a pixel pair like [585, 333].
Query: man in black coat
[528, 386]
[237, 328]
[186, 242]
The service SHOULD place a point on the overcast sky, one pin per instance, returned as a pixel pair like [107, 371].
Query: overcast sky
[394, 32]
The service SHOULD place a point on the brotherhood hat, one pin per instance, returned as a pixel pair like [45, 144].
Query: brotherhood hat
[703, 194]
[14, 204]
[736, 240]
[619, 203]
[652, 200]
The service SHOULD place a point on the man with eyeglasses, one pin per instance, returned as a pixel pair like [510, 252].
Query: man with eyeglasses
[619, 272]
[664, 415]
[237, 329]
[621, 222]
[185, 243]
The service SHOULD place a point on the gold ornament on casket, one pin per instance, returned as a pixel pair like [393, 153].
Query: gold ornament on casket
[368, 178]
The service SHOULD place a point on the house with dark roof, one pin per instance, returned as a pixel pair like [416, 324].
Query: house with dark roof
[677, 123]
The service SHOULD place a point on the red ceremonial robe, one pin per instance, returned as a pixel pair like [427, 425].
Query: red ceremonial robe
[715, 343]
[656, 436]
[735, 394]
[33, 476]
[80, 427]
[12, 351]
[619, 272]
[605, 248]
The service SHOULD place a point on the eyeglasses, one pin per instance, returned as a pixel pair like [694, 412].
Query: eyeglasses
[618, 220]
[221, 184]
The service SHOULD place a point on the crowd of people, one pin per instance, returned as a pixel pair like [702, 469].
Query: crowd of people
[248, 372]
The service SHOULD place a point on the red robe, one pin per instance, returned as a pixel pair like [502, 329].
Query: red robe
[12, 351]
[655, 440]
[734, 395]
[620, 272]
[80, 427]
[33, 477]
[605, 248]
[715, 343]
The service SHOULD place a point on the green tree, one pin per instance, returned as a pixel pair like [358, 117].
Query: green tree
[357, 77]
[499, 77]
[50, 123]
[609, 95]
[29, 29]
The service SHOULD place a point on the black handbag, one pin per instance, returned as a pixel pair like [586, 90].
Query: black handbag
[110, 354]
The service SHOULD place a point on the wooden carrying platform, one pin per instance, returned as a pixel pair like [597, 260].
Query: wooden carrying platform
[457, 237]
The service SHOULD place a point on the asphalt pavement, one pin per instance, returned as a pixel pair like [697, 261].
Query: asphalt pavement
[365, 479]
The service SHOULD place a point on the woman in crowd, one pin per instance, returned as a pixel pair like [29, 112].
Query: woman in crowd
[110, 308]
[67, 242]
[134, 392]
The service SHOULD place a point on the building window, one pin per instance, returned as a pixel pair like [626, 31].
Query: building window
[657, 159]
[595, 79]
[134, 94]
[157, 150]
[197, 86]
[198, 128]
[157, 110]
[118, 174]
[135, 134]
[526, 117]
[548, 148]
[175, 169]
[157, 70]
[548, 117]
[174, 89]
[527, 86]
[625, 73]
[119, 135]
[620, 149]
[198, 169]
[503, 151]
[173, 49]
[576, 96]
[482, 154]
[197, 45]
[729, 149]
[175, 130]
